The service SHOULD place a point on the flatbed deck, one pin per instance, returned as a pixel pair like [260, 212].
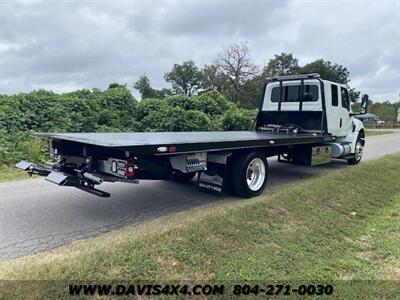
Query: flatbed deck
[149, 142]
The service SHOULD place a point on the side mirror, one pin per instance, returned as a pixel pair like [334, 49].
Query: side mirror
[364, 104]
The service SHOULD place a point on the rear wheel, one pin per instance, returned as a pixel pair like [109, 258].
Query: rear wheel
[249, 174]
[358, 151]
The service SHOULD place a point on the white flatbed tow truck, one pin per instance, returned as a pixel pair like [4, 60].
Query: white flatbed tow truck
[302, 119]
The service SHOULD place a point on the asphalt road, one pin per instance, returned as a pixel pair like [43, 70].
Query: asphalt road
[36, 215]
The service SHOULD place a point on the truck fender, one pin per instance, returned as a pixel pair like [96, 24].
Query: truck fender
[351, 138]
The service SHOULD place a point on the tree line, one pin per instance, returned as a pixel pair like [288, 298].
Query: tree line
[234, 75]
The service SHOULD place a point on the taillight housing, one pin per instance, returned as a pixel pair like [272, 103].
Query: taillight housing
[130, 169]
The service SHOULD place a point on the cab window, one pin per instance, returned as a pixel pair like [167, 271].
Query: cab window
[345, 98]
[334, 94]
[291, 93]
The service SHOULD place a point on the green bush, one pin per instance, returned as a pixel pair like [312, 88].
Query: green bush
[238, 119]
[111, 110]
[197, 121]
[213, 103]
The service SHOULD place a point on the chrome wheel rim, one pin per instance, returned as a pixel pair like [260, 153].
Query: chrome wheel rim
[255, 174]
[359, 150]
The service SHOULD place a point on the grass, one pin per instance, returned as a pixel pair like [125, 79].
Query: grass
[343, 225]
[378, 254]
[11, 173]
[377, 132]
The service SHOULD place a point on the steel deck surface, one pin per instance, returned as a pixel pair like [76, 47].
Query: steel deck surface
[135, 139]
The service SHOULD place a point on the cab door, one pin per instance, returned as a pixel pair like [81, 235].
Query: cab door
[333, 110]
[344, 112]
[338, 110]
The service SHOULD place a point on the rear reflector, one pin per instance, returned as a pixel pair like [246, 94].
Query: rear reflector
[130, 169]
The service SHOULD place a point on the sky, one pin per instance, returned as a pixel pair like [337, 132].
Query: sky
[68, 45]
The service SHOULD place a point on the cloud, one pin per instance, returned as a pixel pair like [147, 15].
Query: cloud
[69, 45]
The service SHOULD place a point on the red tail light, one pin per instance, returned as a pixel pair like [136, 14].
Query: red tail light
[130, 169]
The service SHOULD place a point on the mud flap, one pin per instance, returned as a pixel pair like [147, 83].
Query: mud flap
[215, 180]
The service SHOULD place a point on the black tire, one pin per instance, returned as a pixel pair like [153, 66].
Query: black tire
[179, 176]
[357, 156]
[239, 174]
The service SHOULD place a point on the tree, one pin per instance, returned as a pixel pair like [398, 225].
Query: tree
[212, 80]
[185, 78]
[146, 91]
[144, 87]
[235, 67]
[251, 91]
[327, 70]
[282, 64]
[386, 111]
[115, 85]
